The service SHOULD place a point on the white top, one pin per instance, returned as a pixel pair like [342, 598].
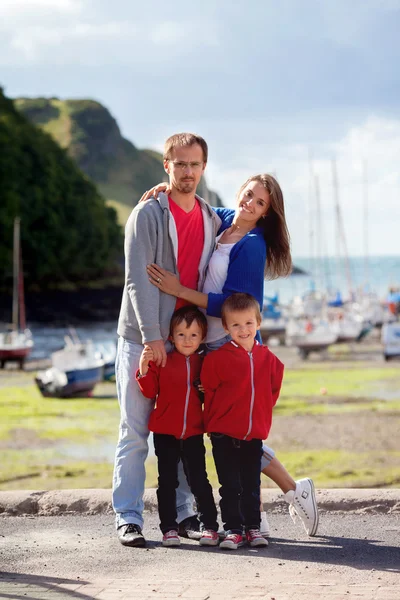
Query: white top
[214, 282]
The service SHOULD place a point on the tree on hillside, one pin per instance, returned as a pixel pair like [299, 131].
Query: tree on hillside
[68, 233]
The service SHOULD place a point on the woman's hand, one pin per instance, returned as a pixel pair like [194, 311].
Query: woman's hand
[165, 281]
[153, 193]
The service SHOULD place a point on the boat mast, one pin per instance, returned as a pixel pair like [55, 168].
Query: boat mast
[16, 263]
[340, 233]
[365, 205]
[311, 213]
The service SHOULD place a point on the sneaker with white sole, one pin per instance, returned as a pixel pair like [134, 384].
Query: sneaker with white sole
[190, 528]
[264, 525]
[171, 538]
[255, 538]
[209, 538]
[232, 541]
[303, 505]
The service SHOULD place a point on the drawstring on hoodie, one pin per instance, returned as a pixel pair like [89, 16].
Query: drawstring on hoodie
[187, 397]
[252, 394]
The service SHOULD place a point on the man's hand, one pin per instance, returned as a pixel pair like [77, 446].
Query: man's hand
[146, 356]
[159, 353]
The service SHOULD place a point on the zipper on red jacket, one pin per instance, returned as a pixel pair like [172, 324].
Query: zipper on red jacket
[252, 395]
[187, 397]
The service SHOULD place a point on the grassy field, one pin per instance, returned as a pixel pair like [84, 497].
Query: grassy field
[338, 423]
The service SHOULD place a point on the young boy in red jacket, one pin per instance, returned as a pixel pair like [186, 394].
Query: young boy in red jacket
[241, 382]
[177, 424]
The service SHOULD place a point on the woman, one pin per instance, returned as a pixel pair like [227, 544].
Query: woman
[252, 243]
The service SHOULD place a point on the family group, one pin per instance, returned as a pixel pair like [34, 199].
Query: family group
[194, 285]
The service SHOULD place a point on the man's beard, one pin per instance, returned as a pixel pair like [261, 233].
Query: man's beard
[186, 187]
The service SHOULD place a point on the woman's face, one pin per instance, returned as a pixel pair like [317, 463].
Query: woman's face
[253, 202]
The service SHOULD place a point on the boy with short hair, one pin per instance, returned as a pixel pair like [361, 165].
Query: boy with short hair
[177, 424]
[242, 381]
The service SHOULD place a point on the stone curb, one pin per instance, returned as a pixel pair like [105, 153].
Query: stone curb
[92, 502]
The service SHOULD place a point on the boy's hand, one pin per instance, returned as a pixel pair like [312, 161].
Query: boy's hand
[159, 352]
[146, 356]
[200, 390]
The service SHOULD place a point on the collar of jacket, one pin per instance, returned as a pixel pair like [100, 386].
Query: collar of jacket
[256, 343]
[176, 353]
[162, 199]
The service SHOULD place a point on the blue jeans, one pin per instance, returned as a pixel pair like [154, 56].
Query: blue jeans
[132, 448]
[267, 454]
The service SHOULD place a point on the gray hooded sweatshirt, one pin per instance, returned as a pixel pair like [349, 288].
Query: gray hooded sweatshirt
[151, 236]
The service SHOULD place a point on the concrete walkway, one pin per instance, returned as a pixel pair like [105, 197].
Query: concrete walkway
[65, 547]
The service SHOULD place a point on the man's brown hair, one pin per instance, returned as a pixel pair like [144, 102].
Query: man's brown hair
[240, 302]
[184, 139]
[189, 314]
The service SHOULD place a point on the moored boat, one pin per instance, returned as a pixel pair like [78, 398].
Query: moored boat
[75, 371]
[16, 343]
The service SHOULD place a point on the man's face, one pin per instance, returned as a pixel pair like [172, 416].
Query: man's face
[185, 168]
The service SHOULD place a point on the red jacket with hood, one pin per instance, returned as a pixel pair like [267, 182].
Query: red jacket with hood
[241, 389]
[178, 410]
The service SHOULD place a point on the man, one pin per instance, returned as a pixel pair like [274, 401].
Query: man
[177, 232]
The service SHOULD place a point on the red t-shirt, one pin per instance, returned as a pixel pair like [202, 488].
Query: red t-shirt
[190, 229]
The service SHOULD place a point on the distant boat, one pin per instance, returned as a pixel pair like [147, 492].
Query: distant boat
[16, 343]
[273, 324]
[108, 352]
[309, 336]
[75, 371]
[391, 340]
[346, 327]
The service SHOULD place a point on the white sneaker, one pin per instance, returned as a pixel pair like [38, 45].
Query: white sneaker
[264, 525]
[303, 505]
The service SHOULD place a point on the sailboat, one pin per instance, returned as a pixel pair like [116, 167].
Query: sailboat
[16, 343]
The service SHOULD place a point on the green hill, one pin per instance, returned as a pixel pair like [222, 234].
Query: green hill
[91, 136]
[68, 232]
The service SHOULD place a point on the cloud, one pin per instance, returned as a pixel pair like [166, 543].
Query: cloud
[265, 86]
[69, 32]
[374, 143]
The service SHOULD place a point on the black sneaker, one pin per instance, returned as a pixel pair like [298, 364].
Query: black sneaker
[190, 528]
[131, 535]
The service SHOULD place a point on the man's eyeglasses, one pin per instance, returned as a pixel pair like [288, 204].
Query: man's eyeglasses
[180, 164]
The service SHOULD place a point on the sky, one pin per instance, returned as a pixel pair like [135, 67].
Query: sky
[286, 87]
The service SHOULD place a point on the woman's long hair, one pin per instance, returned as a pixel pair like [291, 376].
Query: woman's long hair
[276, 234]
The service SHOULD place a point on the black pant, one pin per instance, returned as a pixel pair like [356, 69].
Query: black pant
[192, 452]
[238, 465]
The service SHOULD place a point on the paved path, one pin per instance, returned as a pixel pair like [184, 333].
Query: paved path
[79, 557]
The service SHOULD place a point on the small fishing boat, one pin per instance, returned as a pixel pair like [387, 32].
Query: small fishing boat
[309, 336]
[75, 371]
[16, 343]
[347, 327]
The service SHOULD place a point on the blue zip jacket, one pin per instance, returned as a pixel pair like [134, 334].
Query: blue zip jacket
[246, 265]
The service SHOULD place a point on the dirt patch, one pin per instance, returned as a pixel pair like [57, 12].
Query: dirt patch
[353, 432]
[24, 439]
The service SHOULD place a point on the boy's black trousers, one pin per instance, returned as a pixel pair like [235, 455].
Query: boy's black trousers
[191, 451]
[238, 464]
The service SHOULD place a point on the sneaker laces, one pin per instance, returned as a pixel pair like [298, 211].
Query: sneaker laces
[171, 533]
[293, 513]
[133, 528]
[255, 532]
